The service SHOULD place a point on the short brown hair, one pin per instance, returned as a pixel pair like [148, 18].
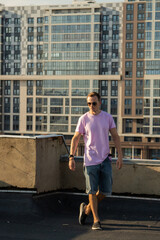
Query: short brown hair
[93, 94]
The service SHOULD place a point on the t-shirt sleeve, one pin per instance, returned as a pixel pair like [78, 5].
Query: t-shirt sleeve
[112, 123]
[80, 126]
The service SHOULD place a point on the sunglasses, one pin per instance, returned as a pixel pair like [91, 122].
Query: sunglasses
[89, 103]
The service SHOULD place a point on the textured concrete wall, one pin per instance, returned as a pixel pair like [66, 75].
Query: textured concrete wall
[48, 163]
[137, 179]
[72, 179]
[38, 163]
[31, 162]
[132, 178]
[18, 162]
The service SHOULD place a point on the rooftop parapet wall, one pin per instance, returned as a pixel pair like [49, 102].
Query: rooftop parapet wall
[135, 177]
[41, 163]
[31, 162]
[18, 162]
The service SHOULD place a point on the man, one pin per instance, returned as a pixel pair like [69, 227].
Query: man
[95, 126]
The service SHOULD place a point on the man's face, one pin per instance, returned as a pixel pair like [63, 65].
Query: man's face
[94, 105]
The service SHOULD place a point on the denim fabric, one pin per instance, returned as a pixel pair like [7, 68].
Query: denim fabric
[99, 177]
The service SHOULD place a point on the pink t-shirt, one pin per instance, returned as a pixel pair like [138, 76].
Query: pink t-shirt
[95, 131]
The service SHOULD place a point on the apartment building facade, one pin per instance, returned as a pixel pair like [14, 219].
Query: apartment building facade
[53, 56]
[140, 114]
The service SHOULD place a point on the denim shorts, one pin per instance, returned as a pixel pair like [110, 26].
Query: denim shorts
[99, 177]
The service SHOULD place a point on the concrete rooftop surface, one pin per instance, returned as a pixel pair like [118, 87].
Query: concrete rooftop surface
[26, 216]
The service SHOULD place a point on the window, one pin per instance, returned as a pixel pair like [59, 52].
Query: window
[105, 28]
[17, 21]
[40, 20]
[129, 7]
[148, 54]
[40, 29]
[46, 29]
[140, 36]
[140, 7]
[30, 47]
[128, 124]
[140, 54]
[140, 44]
[157, 15]
[149, 6]
[157, 54]
[140, 64]
[7, 87]
[139, 87]
[8, 29]
[139, 106]
[115, 36]
[30, 65]
[128, 64]
[129, 36]
[128, 87]
[148, 36]
[149, 26]
[105, 18]
[16, 47]
[8, 21]
[149, 16]
[16, 87]
[29, 87]
[115, 18]
[29, 123]
[128, 106]
[129, 55]
[139, 74]
[6, 122]
[30, 56]
[129, 17]
[30, 38]
[7, 105]
[30, 20]
[140, 26]
[114, 46]
[39, 65]
[141, 16]
[129, 26]
[46, 19]
[29, 105]
[15, 122]
[115, 27]
[148, 45]
[113, 109]
[30, 29]
[39, 38]
[114, 88]
[128, 74]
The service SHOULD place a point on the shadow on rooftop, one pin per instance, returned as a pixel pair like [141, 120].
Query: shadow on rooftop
[55, 216]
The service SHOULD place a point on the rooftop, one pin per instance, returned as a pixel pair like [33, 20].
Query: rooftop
[55, 216]
[42, 208]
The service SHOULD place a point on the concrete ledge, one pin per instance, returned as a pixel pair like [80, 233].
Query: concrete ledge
[41, 163]
[136, 176]
[31, 162]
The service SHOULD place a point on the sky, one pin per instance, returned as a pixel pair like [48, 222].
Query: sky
[46, 2]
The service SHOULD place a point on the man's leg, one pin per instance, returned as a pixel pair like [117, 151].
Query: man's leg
[99, 196]
[93, 201]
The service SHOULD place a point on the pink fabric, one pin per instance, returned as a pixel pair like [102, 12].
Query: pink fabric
[95, 131]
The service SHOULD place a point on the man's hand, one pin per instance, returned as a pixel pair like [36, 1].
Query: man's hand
[72, 164]
[119, 163]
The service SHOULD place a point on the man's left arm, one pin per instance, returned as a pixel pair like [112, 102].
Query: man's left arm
[117, 143]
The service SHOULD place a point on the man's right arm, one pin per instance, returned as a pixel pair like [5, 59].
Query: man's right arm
[73, 148]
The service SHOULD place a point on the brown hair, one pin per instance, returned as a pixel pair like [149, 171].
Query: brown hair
[93, 94]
